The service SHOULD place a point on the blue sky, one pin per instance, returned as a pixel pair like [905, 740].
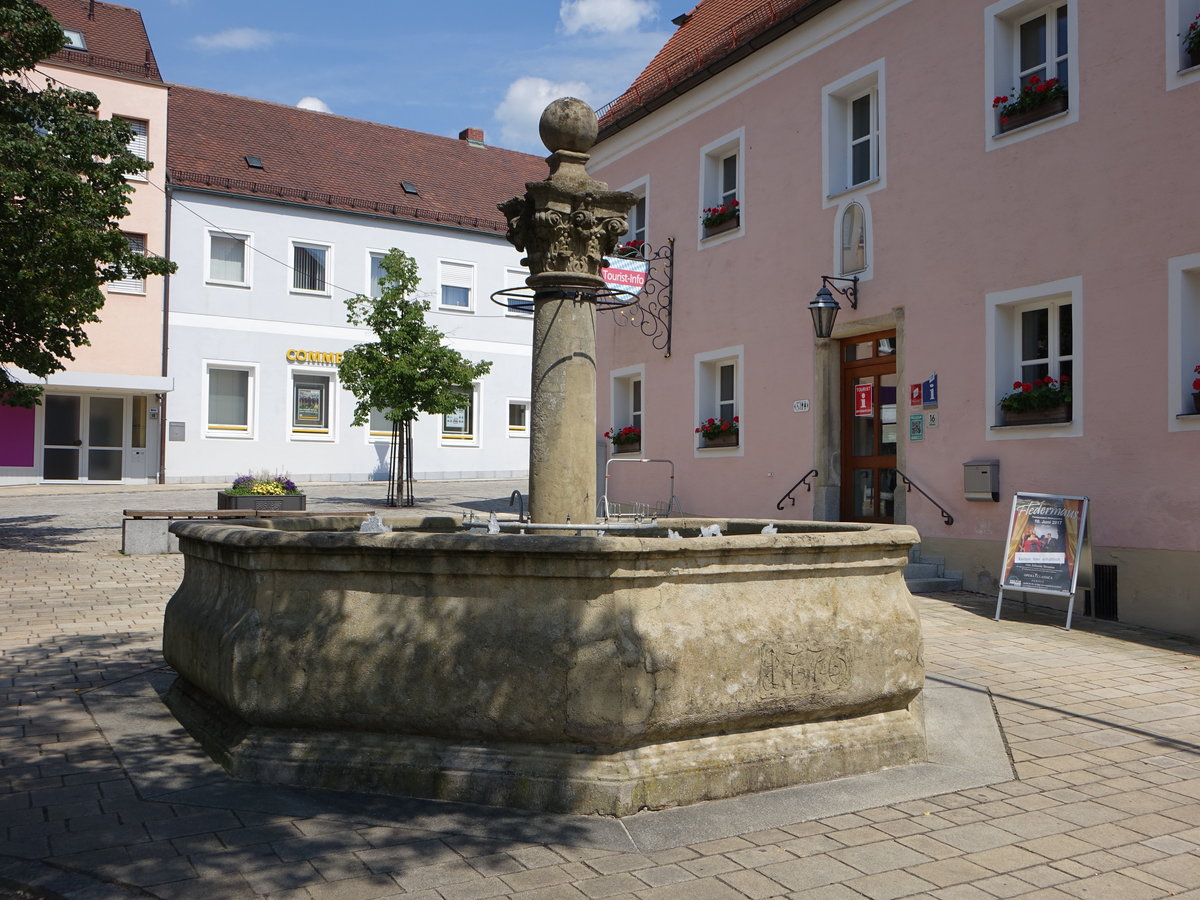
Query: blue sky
[430, 66]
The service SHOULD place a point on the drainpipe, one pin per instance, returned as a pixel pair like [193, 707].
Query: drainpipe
[166, 312]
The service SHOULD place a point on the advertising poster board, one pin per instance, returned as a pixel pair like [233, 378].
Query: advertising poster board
[1047, 540]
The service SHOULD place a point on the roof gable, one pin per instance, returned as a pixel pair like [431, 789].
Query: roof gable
[117, 43]
[715, 35]
[330, 161]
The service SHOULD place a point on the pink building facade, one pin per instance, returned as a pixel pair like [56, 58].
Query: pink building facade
[98, 421]
[863, 139]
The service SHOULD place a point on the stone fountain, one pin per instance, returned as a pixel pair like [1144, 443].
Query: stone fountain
[560, 671]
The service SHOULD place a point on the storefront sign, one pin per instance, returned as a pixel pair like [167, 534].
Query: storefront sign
[864, 399]
[1047, 538]
[320, 357]
[914, 395]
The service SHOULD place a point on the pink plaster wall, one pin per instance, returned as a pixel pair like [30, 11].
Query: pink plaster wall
[1106, 199]
[128, 338]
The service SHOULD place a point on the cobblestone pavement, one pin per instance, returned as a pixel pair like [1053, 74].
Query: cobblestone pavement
[1103, 724]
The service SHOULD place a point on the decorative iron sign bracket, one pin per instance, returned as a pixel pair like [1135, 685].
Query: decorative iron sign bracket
[651, 314]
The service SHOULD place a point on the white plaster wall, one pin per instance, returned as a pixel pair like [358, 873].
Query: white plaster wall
[257, 325]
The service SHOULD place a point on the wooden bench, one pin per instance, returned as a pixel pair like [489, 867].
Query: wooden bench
[146, 531]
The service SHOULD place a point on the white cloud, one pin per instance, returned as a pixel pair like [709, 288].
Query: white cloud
[519, 112]
[605, 15]
[314, 103]
[236, 39]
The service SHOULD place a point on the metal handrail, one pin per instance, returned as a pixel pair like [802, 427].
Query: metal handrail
[910, 484]
[802, 481]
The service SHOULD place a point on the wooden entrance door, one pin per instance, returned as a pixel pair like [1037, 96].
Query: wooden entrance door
[869, 428]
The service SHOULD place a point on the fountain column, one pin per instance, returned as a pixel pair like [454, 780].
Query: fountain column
[566, 225]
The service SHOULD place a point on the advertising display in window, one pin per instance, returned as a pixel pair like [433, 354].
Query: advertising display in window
[310, 407]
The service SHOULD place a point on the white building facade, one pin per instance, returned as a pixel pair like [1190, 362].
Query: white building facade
[258, 316]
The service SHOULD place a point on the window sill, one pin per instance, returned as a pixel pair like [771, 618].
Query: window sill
[244, 285]
[302, 292]
[854, 188]
[225, 435]
[462, 310]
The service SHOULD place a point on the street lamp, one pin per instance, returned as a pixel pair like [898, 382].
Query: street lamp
[824, 307]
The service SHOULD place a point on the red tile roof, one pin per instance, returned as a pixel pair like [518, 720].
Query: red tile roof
[715, 35]
[116, 39]
[331, 161]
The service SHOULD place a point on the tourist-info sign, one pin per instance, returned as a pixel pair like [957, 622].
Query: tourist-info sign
[1047, 538]
[626, 274]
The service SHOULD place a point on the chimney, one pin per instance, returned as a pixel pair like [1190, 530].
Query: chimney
[473, 136]
[91, 9]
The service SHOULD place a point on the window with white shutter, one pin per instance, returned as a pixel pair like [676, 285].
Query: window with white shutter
[457, 285]
[131, 285]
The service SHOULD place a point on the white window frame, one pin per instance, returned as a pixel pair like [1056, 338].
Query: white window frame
[1183, 344]
[224, 431]
[639, 213]
[707, 394]
[139, 145]
[1003, 340]
[712, 186]
[377, 435]
[515, 431]
[1179, 15]
[70, 34]
[373, 288]
[621, 401]
[245, 238]
[1002, 21]
[515, 278]
[471, 438]
[449, 276]
[297, 243]
[130, 285]
[328, 433]
[837, 100]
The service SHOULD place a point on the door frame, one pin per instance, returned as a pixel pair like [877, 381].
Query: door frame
[872, 367]
[126, 447]
[827, 424]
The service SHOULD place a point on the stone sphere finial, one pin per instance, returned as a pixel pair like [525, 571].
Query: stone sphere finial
[568, 124]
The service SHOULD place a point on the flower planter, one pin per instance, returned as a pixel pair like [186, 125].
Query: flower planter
[261, 501]
[1196, 402]
[1053, 107]
[635, 447]
[722, 440]
[727, 225]
[1193, 58]
[1048, 416]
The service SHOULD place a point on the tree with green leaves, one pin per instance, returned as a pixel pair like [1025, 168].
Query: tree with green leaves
[408, 370]
[62, 192]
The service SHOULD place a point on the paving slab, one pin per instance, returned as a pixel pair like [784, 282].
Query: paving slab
[1065, 764]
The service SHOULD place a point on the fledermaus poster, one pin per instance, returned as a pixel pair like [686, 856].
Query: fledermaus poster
[1045, 543]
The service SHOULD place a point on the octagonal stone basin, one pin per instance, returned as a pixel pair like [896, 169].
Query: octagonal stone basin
[565, 673]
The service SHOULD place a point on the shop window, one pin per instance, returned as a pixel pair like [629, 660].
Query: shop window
[458, 427]
[310, 404]
[518, 418]
[379, 426]
[229, 397]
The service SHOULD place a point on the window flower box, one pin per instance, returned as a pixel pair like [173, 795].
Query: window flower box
[720, 440]
[1036, 101]
[1048, 416]
[635, 447]
[722, 227]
